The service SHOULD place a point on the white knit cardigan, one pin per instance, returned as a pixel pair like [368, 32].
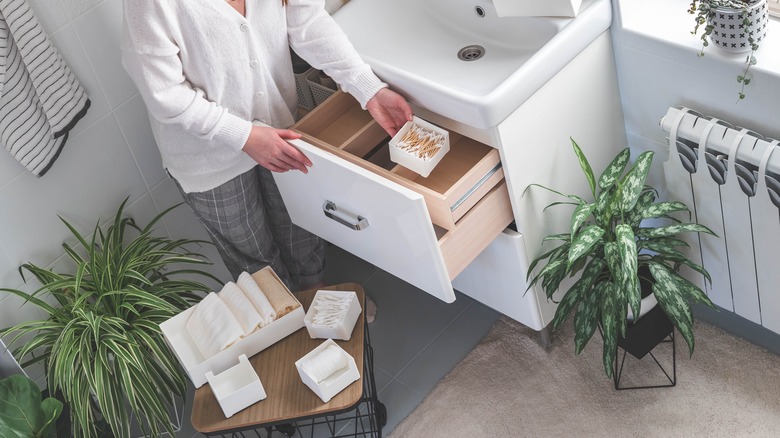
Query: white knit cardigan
[205, 73]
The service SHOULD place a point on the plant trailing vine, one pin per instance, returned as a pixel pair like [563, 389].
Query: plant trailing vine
[704, 11]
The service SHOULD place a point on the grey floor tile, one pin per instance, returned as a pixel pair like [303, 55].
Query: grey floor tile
[187, 430]
[343, 267]
[382, 379]
[400, 401]
[407, 320]
[448, 348]
[324, 430]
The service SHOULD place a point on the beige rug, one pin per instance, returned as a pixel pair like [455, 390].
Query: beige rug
[509, 386]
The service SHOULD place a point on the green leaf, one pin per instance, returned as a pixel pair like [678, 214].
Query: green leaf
[585, 166]
[551, 266]
[698, 268]
[605, 203]
[22, 412]
[580, 215]
[584, 242]
[565, 237]
[554, 204]
[634, 181]
[689, 290]
[626, 246]
[614, 169]
[587, 317]
[672, 299]
[645, 199]
[612, 255]
[665, 247]
[553, 279]
[575, 198]
[558, 253]
[611, 309]
[581, 287]
[672, 230]
[661, 209]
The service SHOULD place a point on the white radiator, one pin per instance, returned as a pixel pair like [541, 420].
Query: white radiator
[730, 177]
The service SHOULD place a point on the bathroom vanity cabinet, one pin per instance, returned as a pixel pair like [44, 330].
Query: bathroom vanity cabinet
[422, 230]
[453, 228]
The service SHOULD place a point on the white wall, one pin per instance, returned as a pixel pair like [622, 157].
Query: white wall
[658, 67]
[110, 155]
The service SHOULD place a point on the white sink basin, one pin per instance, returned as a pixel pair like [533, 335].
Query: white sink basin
[413, 45]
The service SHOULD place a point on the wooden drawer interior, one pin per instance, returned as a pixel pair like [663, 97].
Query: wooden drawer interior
[464, 176]
[475, 230]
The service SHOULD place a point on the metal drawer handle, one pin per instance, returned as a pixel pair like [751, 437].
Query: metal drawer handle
[349, 220]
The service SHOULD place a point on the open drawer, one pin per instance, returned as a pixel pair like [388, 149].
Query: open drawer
[468, 171]
[356, 199]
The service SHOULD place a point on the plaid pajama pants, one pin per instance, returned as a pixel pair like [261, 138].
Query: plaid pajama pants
[248, 222]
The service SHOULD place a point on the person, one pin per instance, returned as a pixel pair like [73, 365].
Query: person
[216, 78]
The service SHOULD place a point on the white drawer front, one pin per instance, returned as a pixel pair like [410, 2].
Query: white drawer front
[394, 228]
[497, 279]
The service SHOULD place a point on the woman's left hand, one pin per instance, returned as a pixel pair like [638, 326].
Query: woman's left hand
[390, 110]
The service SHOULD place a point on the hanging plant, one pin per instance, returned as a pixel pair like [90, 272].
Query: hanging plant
[735, 26]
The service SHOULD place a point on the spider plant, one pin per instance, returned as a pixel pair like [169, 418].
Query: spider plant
[101, 343]
[610, 243]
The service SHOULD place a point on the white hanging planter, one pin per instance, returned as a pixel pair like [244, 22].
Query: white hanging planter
[729, 32]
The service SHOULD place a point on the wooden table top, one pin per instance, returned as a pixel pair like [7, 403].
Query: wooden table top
[288, 398]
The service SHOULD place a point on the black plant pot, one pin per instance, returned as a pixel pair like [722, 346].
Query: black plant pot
[648, 331]
[643, 335]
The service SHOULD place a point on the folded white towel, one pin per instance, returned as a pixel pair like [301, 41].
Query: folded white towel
[325, 363]
[212, 326]
[242, 308]
[257, 297]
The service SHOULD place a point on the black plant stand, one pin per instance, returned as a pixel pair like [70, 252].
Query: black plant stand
[641, 338]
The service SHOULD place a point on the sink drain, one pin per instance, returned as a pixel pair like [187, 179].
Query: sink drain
[471, 53]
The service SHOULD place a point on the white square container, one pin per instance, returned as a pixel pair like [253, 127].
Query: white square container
[410, 160]
[337, 381]
[237, 387]
[192, 360]
[537, 8]
[342, 329]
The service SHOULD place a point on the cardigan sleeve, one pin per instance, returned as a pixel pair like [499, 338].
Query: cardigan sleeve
[150, 56]
[316, 37]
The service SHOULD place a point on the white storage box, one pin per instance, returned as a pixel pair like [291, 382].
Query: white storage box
[537, 8]
[341, 327]
[413, 160]
[197, 366]
[237, 387]
[336, 381]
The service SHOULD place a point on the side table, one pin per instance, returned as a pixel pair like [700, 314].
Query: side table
[291, 407]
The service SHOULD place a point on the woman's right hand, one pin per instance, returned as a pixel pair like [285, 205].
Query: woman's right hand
[268, 146]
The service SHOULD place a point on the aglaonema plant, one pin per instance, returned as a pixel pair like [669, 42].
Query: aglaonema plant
[623, 229]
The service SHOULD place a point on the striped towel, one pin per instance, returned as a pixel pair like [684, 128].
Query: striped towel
[40, 98]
